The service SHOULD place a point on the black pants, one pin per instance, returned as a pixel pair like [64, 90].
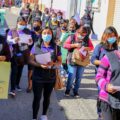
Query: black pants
[38, 89]
[109, 113]
[16, 72]
[65, 67]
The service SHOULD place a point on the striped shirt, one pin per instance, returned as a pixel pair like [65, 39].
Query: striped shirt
[103, 76]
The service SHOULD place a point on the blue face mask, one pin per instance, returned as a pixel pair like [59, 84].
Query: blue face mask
[111, 40]
[21, 27]
[81, 37]
[59, 18]
[64, 28]
[46, 38]
[54, 19]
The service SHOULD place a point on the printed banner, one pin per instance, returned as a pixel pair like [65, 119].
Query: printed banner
[5, 69]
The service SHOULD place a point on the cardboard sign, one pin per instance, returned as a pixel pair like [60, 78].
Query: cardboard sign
[5, 69]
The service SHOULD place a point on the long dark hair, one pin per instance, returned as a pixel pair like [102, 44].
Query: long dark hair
[84, 29]
[107, 32]
[52, 42]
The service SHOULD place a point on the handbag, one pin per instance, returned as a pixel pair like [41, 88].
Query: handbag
[79, 59]
[58, 83]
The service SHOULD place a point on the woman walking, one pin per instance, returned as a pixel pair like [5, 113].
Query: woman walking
[108, 78]
[44, 75]
[75, 71]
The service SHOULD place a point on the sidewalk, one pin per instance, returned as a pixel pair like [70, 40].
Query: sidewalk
[20, 108]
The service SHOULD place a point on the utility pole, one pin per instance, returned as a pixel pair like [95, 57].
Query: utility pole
[51, 4]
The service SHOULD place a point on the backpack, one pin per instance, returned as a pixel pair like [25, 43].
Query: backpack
[114, 99]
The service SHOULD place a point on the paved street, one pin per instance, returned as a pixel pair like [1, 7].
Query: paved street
[61, 108]
[83, 108]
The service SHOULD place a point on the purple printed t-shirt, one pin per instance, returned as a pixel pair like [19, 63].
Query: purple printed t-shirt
[46, 49]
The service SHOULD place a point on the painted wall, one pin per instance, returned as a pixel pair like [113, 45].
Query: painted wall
[100, 18]
[60, 5]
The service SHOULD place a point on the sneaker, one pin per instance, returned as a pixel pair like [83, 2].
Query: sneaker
[76, 95]
[18, 89]
[43, 117]
[100, 116]
[67, 93]
[12, 93]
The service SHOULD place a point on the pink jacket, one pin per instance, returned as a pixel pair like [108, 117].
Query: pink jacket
[68, 43]
[103, 77]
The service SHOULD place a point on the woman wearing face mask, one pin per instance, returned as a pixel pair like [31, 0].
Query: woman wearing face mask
[35, 13]
[37, 28]
[108, 76]
[75, 72]
[64, 33]
[19, 40]
[74, 22]
[26, 11]
[54, 24]
[45, 18]
[36, 36]
[98, 53]
[59, 16]
[44, 75]
[51, 12]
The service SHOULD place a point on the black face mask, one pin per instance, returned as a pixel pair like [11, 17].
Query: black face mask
[72, 31]
[36, 28]
[64, 28]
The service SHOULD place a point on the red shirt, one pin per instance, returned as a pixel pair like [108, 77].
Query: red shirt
[68, 43]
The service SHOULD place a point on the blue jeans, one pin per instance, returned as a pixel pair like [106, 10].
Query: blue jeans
[74, 73]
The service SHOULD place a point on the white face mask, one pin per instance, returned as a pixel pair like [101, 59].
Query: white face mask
[81, 37]
[46, 15]
[21, 27]
[54, 19]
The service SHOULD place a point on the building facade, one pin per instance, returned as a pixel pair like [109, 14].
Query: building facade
[106, 12]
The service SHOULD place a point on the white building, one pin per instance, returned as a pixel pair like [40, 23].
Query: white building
[107, 12]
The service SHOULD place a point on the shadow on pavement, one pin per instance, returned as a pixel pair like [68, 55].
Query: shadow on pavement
[88, 90]
[83, 92]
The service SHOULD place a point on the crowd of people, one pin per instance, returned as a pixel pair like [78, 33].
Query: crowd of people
[69, 46]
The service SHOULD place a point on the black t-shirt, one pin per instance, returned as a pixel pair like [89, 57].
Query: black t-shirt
[45, 75]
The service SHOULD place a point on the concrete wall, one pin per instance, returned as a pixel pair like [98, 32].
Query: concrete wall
[61, 5]
[100, 19]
